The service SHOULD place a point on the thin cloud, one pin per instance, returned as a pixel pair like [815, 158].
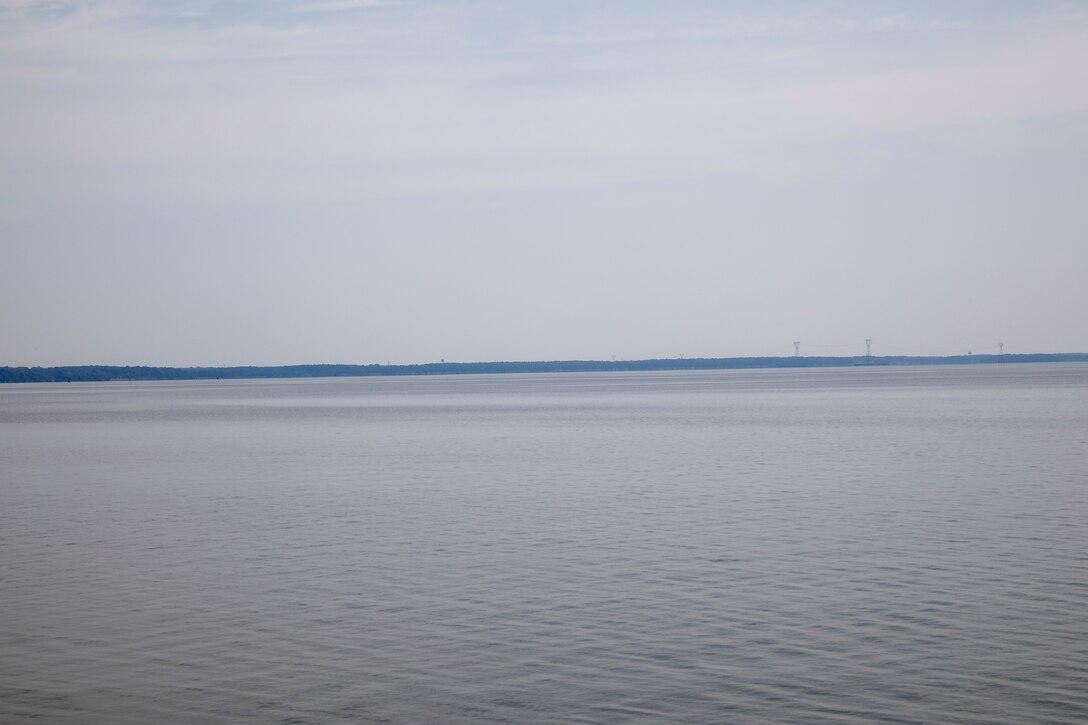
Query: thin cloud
[1041, 77]
[341, 5]
[766, 27]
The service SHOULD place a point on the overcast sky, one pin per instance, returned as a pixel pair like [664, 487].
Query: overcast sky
[352, 181]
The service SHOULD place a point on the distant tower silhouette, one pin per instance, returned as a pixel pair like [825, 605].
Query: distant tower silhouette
[868, 350]
[1000, 348]
[797, 348]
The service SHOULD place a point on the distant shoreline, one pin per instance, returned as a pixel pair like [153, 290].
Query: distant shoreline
[104, 373]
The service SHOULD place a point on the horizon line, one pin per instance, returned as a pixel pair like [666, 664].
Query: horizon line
[107, 373]
[543, 361]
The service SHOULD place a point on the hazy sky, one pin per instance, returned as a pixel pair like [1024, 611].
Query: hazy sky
[353, 181]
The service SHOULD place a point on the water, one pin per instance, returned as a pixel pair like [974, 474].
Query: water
[833, 545]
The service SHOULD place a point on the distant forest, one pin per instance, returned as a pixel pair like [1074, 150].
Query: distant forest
[92, 373]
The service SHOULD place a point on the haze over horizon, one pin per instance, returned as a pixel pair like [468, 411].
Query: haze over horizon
[358, 181]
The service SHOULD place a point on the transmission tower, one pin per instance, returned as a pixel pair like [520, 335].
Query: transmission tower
[869, 350]
[797, 348]
[1000, 348]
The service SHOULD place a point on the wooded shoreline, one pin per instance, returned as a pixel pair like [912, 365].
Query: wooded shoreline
[101, 373]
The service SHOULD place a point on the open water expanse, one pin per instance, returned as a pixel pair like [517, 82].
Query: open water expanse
[869, 544]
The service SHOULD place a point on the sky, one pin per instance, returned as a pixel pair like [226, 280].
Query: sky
[364, 181]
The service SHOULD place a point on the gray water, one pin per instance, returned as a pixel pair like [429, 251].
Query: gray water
[831, 545]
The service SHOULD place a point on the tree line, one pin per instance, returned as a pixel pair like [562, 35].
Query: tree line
[102, 373]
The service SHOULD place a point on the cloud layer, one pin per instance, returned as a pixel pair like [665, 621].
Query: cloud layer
[522, 180]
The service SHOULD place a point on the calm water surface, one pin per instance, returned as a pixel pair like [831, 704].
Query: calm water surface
[835, 545]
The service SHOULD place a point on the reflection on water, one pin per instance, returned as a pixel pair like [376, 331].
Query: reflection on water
[893, 544]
